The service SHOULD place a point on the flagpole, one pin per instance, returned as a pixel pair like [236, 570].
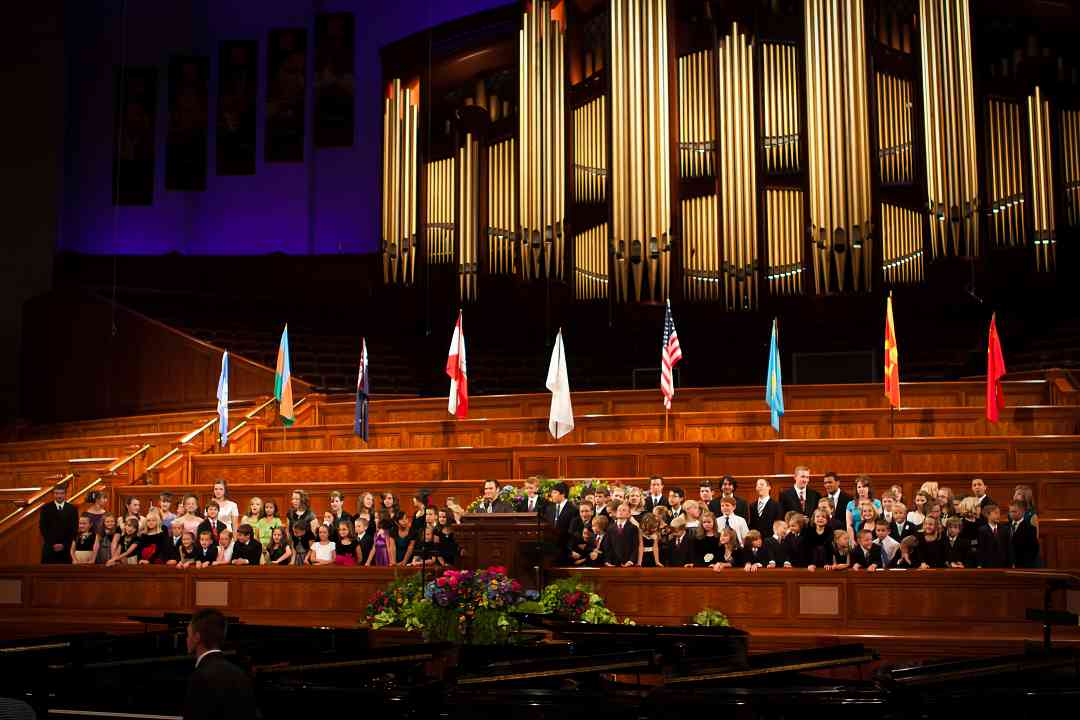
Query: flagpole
[665, 423]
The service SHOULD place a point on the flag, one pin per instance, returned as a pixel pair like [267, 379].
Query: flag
[360, 420]
[283, 380]
[455, 368]
[561, 417]
[995, 369]
[223, 400]
[774, 387]
[670, 355]
[892, 360]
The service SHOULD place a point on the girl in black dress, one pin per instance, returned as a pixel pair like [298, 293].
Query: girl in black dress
[403, 539]
[84, 549]
[127, 544]
[278, 551]
[907, 558]
[448, 546]
[838, 556]
[817, 538]
[650, 541]
[706, 541]
[931, 544]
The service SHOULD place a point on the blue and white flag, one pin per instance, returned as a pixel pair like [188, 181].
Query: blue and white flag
[774, 386]
[223, 400]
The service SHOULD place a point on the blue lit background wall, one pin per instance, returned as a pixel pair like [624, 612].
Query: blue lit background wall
[327, 204]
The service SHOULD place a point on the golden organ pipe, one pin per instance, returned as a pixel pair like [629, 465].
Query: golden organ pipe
[399, 183]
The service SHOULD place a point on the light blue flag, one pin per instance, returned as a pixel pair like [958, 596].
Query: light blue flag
[223, 400]
[774, 386]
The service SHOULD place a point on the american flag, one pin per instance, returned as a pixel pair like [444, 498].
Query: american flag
[670, 355]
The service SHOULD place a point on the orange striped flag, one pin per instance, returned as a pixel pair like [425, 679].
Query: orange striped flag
[892, 360]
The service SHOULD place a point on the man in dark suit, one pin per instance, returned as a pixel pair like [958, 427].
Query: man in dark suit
[728, 486]
[1025, 537]
[708, 501]
[839, 498]
[532, 502]
[58, 522]
[491, 502]
[764, 511]
[560, 515]
[995, 549]
[800, 497]
[978, 489]
[624, 539]
[217, 689]
[656, 494]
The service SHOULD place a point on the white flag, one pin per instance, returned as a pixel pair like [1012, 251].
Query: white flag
[561, 419]
[223, 400]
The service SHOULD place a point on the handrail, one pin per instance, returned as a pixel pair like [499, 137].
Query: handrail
[260, 408]
[236, 427]
[86, 489]
[198, 431]
[121, 463]
[37, 498]
[163, 458]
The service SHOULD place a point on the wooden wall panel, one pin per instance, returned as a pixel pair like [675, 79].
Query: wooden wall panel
[960, 460]
[154, 368]
[683, 426]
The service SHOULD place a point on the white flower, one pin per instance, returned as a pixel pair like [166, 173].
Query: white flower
[708, 557]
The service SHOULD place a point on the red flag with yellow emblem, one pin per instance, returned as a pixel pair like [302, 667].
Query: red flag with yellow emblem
[892, 361]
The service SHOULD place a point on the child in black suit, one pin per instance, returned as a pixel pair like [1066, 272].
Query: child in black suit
[1025, 536]
[958, 552]
[775, 544]
[866, 555]
[755, 554]
[680, 546]
[995, 540]
[600, 547]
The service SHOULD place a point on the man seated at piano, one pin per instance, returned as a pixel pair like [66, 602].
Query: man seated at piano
[625, 540]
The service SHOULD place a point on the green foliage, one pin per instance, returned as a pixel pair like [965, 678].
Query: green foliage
[711, 618]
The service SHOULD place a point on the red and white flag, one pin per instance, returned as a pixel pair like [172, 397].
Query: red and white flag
[455, 368]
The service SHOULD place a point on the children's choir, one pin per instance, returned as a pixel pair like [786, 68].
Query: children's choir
[607, 527]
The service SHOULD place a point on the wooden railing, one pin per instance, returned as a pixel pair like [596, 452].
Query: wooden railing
[337, 432]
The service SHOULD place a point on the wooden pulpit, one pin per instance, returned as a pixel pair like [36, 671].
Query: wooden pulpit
[517, 541]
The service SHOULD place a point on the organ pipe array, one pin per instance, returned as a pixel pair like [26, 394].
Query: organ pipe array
[894, 129]
[781, 107]
[1042, 179]
[468, 187]
[590, 152]
[949, 127]
[1005, 173]
[784, 232]
[541, 142]
[697, 115]
[839, 150]
[1070, 140]
[399, 169]
[738, 170]
[901, 245]
[701, 249]
[591, 263]
[440, 227]
[641, 163]
[500, 208]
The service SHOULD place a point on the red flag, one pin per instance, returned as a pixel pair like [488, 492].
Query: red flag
[995, 369]
[455, 368]
[892, 361]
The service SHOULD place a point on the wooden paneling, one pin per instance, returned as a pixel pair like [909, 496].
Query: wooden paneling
[690, 426]
[972, 454]
[339, 410]
[174, 422]
[126, 363]
[88, 447]
[41, 472]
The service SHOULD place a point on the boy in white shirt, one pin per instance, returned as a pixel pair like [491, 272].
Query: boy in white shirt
[728, 519]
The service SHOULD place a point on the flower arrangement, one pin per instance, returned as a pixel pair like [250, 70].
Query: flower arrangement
[458, 606]
[711, 618]
[571, 599]
[396, 604]
[581, 490]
